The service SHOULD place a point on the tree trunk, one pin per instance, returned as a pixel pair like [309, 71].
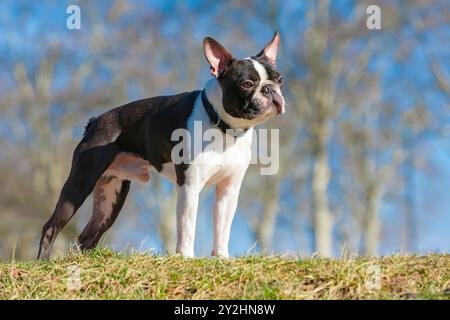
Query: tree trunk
[323, 219]
[167, 222]
[373, 224]
[167, 230]
[410, 225]
[264, 229]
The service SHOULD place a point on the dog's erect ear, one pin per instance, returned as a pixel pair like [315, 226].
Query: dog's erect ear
[218, 57]
[270, 51]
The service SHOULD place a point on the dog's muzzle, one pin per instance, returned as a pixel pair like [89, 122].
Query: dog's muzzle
[269, 92]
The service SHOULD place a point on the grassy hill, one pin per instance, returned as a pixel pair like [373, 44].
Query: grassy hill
[103, 274]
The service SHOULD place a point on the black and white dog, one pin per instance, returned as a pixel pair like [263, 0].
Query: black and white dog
[123, 144]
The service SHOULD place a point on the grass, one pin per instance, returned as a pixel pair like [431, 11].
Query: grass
[104, 274]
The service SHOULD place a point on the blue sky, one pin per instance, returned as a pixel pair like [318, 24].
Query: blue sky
[20, 31]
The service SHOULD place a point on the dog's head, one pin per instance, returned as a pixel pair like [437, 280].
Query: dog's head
[251, 88]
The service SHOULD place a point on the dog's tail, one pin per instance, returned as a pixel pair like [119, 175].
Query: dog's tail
[88, 125]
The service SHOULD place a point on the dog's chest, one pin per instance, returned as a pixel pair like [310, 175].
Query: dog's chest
[214, 156]
[210, 166]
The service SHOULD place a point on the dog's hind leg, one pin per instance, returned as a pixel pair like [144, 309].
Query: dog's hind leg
[110, 193]
[88, 164]
[109, 196]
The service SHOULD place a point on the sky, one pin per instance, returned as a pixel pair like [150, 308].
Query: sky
[21, 29]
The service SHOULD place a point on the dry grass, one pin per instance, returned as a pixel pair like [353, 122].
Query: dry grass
[108, 275]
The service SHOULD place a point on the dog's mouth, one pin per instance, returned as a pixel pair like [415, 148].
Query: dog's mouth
[273, 108]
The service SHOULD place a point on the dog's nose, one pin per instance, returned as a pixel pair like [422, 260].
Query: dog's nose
[267, 89]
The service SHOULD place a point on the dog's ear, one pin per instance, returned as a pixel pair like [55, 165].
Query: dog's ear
[269, 53]
[218, 57]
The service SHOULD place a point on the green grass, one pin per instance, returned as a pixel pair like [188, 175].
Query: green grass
[108, 275]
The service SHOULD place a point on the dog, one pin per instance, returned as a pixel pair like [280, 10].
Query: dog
[125, 143]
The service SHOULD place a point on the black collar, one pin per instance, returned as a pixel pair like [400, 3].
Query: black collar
[212, 114]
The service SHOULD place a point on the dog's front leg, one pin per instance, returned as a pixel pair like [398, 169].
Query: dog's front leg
[187, 205]
[227, 194]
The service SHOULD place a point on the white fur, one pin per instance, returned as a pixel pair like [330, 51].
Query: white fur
[260, 69]
[212, 165]
[215, 167]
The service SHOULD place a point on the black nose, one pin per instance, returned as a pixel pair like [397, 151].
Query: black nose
[267, 89]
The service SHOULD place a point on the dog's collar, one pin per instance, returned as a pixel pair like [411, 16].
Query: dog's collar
[214, 117]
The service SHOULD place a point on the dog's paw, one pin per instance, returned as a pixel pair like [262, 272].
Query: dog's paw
[220, 254]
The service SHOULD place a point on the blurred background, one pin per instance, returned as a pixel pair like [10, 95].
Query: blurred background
[365, 142]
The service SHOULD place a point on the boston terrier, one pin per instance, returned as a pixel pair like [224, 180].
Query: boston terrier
[125, 143]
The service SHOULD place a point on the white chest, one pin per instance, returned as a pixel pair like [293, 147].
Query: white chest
[214, 155]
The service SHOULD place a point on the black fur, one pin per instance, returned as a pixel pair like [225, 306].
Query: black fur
[142, 127]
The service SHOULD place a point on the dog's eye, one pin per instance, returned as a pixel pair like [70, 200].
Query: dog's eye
[247, 85]
[280, 80]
